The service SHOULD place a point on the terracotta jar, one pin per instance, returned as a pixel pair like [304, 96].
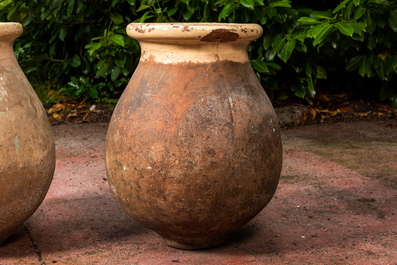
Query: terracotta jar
[27, 152]
[193, 150]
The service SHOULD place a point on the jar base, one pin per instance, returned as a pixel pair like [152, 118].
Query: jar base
[193, 243]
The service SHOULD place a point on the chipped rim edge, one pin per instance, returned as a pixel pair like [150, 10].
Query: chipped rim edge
[190, 31]
[10, 29]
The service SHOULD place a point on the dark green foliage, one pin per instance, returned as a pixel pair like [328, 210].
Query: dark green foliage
[81, 47]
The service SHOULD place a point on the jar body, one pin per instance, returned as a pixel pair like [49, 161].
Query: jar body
[27, 157]
[193, 150]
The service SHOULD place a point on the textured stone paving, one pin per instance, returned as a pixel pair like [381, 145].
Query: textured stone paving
[336, 204]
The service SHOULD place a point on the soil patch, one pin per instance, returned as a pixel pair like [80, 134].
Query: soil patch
[289, 114]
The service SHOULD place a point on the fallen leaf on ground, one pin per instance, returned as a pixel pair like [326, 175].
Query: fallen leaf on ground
[346, 109]
[57, 116]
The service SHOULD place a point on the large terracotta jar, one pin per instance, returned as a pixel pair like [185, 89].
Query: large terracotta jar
[193, 150]
[27, 152]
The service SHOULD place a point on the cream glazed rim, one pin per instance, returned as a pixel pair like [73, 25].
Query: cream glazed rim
[10, 29]
[205, 32]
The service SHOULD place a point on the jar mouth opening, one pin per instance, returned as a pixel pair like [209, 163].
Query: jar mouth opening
[10, 30]
[203, 32]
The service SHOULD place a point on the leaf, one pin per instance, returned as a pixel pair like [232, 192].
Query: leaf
[359, 28]
[340, 6]
[364, 67]
[308, 21]
[321, 14]
[260, 2]
[56, 3]
[287, 50]
[84, 81]
[262, 20]
[195, 4]
[143, 7]
[381, 70]
[56, 108]
[278, 42]
[348, 10]
[207, 11]
[271, 12]
[93, 92]
[186, 14]
[62, 33]
[385, 91]
[117, 39]
[301, 47]
[308, 69]
[5, 3]
[57, 116]
[225, 10]
[173, 10]
[114, 2]
[320, 32]
[74, 82]
[321, 73]
[115, 73]
[393, 20]
[103, 67]
[391, 63]
[76, 61]
[275, 66]
[394, 102]
[116, 18]
[267, 40]
[345, 28]
[94, 48]
[371, 43]
[354, 63]
[70, 8]
[280, 4]
[310, 89]
[144, 17]
[269, 55]
[248, 4]
[299, 90]
[120, 59]
[260, 66]
[358, 13]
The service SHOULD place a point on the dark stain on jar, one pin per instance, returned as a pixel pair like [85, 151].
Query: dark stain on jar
[140, 30]
[221, 35]
[186, 28]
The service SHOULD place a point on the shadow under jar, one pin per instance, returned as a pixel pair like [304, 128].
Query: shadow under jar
[193, 149]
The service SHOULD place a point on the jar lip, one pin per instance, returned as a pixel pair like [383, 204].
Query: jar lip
[205, 32]
[10, 29]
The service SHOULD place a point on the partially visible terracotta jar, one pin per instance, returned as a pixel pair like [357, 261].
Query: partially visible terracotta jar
[27, 150]
[193, 150]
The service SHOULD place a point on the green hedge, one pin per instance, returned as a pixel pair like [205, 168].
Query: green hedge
[80, 47]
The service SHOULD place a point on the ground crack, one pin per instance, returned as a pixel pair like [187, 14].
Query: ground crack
[36, 249]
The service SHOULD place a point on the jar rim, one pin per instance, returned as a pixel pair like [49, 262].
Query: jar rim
[205, 32]
[10, 29]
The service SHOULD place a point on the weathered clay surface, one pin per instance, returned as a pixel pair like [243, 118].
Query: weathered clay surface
[193, 150]
[27, 156]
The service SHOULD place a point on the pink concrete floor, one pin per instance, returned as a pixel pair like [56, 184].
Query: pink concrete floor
[336, 204]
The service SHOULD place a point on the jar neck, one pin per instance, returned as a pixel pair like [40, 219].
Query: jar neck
[7, 50]
[9, 32]
[194, 52]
